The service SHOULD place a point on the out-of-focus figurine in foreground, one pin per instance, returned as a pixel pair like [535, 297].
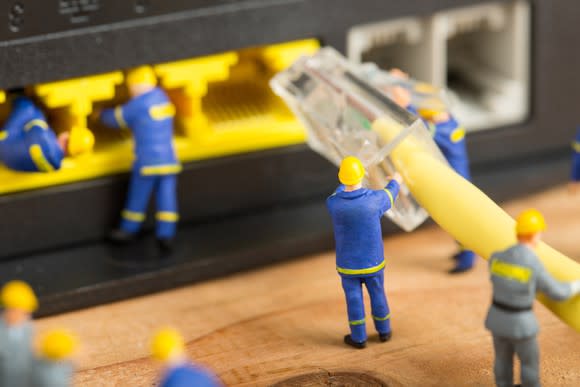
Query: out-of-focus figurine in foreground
[448, 134]
[516, 275]
[168, 347]
[52, 367]
[574, 185]
[28, 144]
[149, 114]
[356, 216]
[16, 332]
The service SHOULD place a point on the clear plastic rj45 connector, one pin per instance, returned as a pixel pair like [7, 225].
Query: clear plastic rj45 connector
[346, 116]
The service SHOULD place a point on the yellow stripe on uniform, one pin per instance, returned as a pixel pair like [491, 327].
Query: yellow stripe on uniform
[162, 111]
[3, 135]
[119, 117]
[38, 158]
[382, 318]
[133, 216]
[457, 135]
[166, 216]
[368, 270]
[169, 169]
[576, 146]
[390, 196]
[36, 122]
[510, 271]
[357, 322]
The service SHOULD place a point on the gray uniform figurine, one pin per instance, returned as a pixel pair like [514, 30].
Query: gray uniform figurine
[49, 373]
[516, 275]
[15, 354]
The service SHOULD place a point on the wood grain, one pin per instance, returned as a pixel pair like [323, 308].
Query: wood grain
[263, 327]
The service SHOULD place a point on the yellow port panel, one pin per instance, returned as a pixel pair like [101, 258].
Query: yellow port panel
[223, 102]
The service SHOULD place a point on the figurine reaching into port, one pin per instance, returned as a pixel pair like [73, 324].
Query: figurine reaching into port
[149, 114]
[574, 185]
[356, 216]
[516, 275]
[168, 347]
[28, 144]
[16, 332]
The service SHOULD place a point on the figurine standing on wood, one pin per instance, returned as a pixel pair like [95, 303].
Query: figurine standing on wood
[356, 215]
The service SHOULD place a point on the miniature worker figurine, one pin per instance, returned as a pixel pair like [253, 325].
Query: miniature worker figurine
[16, 333]
[168, 347]
[28, 144]
[356, 213]
[516, 275]
[575, 178]
[52, 367]
[149, 114]
[449, 136]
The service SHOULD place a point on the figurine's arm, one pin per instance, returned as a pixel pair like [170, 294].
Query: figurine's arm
[45, 150]
[392, 190]
[115, 117]
[554, 289]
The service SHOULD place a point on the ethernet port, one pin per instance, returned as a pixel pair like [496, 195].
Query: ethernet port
[403, 43]
[487, 63]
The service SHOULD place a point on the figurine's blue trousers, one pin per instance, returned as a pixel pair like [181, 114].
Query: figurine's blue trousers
[526, 350]
[140, 190]
[352, 286]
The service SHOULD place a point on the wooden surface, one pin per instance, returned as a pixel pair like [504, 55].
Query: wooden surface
[265, 326]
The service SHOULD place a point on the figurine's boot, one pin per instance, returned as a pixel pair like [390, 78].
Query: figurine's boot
[120, 236]
[465, 261]
[356, 344]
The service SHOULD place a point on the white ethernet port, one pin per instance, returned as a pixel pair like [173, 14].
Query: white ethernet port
[402, 43]
[481, 54]
[486, 63]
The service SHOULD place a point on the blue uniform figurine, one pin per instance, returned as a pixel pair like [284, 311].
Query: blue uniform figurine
[450, 138]
[516, 275]
[27, 143]
[168, 346]
[356, 214]
[149, 115]
[575, 176]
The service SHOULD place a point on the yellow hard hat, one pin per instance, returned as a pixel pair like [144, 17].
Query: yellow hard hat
[142, 75]
[166, 343]
[19, 295]
[530, 222]
[81, 140]
[57, 345]
[351, 171]
[428, 113]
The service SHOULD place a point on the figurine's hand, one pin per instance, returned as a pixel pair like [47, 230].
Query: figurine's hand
[573, 187]
[398, 73]
[398, 178]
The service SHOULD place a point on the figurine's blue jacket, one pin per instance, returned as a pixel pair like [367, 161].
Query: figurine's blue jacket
[150, 118]
[450, 138]
[576, 157]
[188, 376]
[26, 142]
[356, 216]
